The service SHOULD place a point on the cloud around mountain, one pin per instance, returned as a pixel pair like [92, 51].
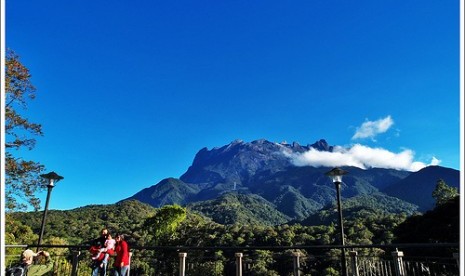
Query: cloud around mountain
[362, 156]
[359, 156]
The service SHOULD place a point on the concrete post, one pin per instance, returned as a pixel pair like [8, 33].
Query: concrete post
[296, 256]
[238, 264]
[457, 259]
[75, 263]
[182, 263]
[398, 262]
[354, 263]
[129, 268]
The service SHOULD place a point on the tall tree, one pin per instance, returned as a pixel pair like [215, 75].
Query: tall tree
[443, 192]
[22, 179]
[164, 223]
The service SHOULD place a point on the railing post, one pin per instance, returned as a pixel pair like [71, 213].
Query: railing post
[457, 259]
[75, 263]
[238, 264]
[296, 256]
[398, 262]
[129, 268]
[354, 263]
[182, 263]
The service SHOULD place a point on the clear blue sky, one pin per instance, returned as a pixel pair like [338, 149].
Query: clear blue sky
[129, 91]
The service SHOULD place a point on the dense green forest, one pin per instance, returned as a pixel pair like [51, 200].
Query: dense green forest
[138, 221]
[173, 225]
[367, 220]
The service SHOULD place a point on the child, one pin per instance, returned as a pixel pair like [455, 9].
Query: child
[109, 248]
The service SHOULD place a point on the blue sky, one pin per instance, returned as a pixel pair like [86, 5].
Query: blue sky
[129, 91]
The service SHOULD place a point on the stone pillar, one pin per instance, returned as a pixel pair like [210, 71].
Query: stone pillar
[353, 263]
[398, 262]
[129, 268]
[296, 256]
[457, 259]
[238, 264]
[182, 263]
[75, 264]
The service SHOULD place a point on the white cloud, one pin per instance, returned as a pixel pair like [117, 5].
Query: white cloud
[370, 129]
[360, 156]
[435, 161]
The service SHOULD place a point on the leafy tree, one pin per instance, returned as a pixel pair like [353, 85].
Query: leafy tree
[262, 261]
[165, 222]
[443, 192]
[331, 272]
[58, 251]
[440, 225]
[22, 179]
[83, 224]
[17, 232]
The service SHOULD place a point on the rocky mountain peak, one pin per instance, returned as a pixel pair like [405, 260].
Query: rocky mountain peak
[322, 145]
[263, 169]
[240, 160]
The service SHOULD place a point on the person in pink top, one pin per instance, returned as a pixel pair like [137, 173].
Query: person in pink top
[108, 249]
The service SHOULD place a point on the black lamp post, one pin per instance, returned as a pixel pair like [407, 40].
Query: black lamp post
[52, 178]
[336, 175]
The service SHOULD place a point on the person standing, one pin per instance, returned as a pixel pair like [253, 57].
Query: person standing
[98, 267]
[121, 264]
[32, 265]
[106, 251]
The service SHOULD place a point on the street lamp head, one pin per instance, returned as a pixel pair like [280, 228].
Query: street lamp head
[336, 174]
[52, 178]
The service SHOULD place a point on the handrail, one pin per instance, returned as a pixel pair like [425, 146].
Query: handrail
[78, 265]
[267, 247]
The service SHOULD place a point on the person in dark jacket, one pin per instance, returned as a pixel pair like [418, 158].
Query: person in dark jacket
[98, 267]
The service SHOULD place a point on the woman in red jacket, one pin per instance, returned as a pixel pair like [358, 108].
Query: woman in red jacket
[121, 263]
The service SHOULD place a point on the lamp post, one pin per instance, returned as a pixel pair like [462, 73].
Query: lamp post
[336, 176]
[52, 178]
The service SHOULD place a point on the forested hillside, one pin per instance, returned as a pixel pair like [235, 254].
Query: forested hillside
[137, 221]
[238, 208]
[173, 225]
[82, 224]
[181, 226]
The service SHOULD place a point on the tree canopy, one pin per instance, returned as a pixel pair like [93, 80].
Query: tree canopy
[22, 179]
[443, 192]
[173, 225]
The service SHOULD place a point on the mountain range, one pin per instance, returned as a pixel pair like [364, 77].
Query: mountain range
[258, 182]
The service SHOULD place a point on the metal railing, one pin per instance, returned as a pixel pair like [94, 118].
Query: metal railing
[362, 260]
